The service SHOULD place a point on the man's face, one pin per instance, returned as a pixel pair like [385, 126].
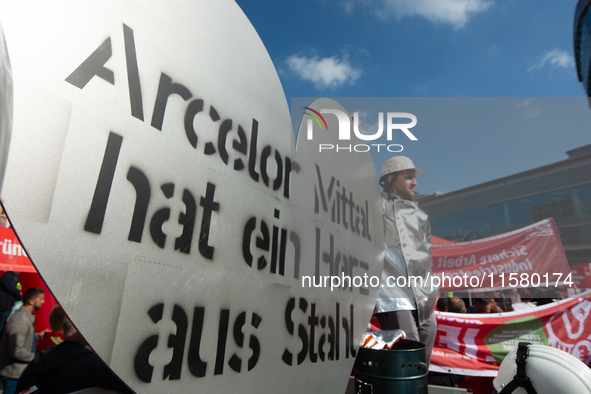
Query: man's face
[37, 302]
[404, 185]
[485, 308]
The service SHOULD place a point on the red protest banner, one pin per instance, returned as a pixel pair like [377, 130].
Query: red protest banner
[475, 344]
[581, 275]
[12, 254]
[529, 257]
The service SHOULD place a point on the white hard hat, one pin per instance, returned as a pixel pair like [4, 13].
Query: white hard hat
[544, 369]
[398, 163]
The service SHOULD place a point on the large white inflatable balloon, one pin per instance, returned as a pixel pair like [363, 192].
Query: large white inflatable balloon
[151, 180]
[5, 104]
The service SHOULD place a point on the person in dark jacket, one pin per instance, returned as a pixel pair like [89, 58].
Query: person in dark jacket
[10, 293]
[17, 345]
[69, 367]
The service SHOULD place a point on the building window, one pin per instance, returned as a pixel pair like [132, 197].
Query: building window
[479, 222]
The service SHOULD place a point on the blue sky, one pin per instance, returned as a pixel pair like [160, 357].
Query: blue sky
[435, 48]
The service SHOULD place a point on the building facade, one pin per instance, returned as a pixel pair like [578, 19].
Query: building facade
[582, 44]
[561, 190]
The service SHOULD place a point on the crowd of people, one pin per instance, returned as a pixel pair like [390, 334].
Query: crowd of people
[55, 361]
[499, 301]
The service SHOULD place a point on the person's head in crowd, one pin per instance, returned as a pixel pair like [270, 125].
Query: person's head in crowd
[33, 299]
[56, 319]
[512, 295]
[526, 296]
[71, 333]
[456, 305]
[442, 304]
[538, 293]
[483, 305]
[555, 295]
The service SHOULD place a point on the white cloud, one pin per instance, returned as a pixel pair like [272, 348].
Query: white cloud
[326, 72]
[556, 58]
[365, 127]
[348, 6]
[530, 108]
[453, 12]
[421, 88]
[525, 103]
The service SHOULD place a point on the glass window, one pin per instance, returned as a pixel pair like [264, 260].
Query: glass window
[521, 210]
[466, 232]
[557, 196]
[584, 191]
[570, 236]
[464, 218]
[577, 256]
[447, 220]
[497, 213]
[537, 213]
[582, 199]
[480, 226]
[579, 174]
[585, 233]
[481, 214]
[557, 204]
[486, 220]
[448, 233]
[483, 233]
[434, 222]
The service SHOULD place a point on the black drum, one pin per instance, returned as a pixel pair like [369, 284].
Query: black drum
[401, 370]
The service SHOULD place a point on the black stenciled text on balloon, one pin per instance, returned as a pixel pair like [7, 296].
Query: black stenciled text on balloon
[245, 155]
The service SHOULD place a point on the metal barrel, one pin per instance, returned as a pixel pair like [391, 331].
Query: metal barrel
[401, 370]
